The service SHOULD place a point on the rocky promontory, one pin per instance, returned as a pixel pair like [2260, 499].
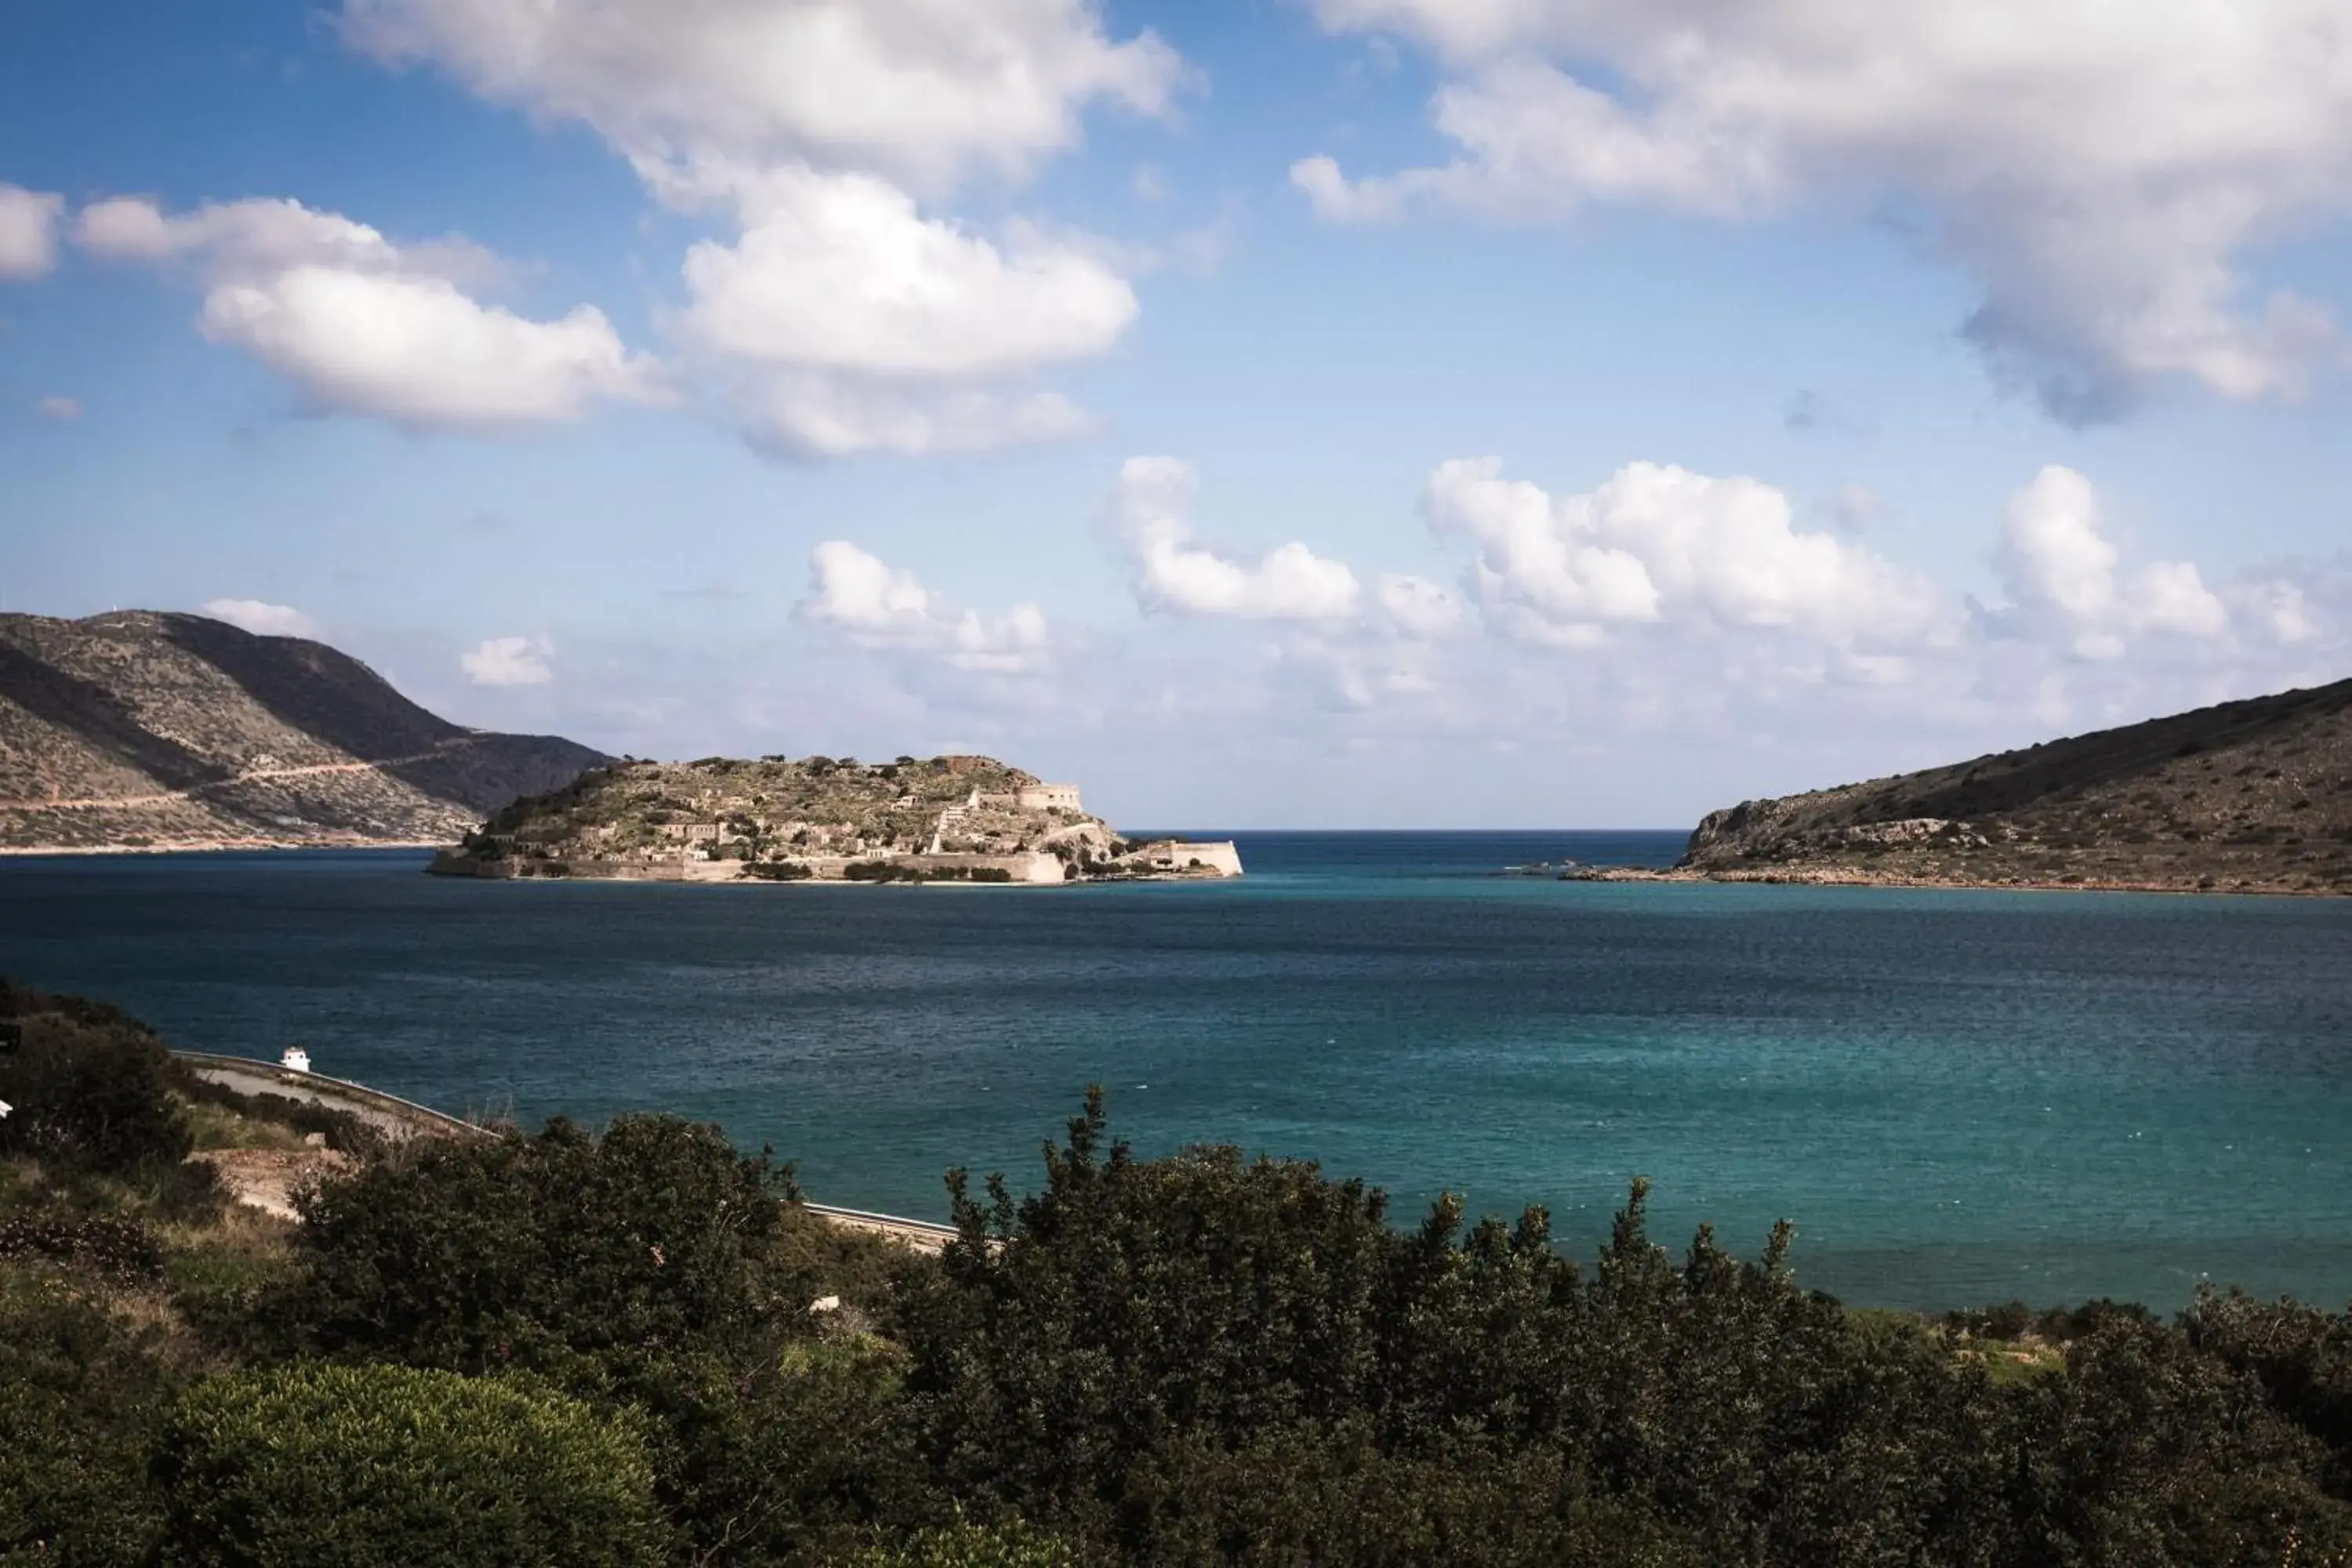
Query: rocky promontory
[940, 819]
[2250, 797]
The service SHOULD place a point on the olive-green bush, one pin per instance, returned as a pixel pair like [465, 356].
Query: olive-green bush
[1008, 1545]
[320, 1466]
[81, 1391]
[86, 1086]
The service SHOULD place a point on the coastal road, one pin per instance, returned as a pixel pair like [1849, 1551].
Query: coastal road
[251, 775]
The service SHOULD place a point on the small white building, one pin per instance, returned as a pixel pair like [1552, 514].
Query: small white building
[295, 1059]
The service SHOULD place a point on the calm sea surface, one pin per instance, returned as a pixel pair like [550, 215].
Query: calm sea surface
[1959, 1097]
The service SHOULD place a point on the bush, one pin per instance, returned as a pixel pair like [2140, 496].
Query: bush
[1008, 1545]
[81, 1391]
[88, 1085]
[360, 1466]
[779, 871]
[123, 1247]
[654, 1237]
[653, 1266]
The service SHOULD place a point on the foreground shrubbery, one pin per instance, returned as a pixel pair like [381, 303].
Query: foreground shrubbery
[577, 1344]
[391, 1466]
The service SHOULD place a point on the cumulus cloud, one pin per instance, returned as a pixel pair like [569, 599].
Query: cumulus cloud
[2101, 172]
[1148, 514]
[919, 90]
[59, 408]
[1657, 544]
[2059, 570]
[850, 322]
[874, 604]
[840, 273]
[262, 619]
[29, 232]
[839, 317]
[509, 661]
[365, 326]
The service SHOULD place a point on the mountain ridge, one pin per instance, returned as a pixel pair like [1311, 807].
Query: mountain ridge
[142, 729]
[2253, 796]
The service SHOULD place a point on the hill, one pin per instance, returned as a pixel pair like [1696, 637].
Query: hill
[952, 818]
[143, 729]
[2252, 796]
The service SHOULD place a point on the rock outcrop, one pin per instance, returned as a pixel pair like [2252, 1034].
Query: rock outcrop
[2252, 796]
[140, 730]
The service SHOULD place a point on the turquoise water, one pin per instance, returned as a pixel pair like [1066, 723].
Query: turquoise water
[1957, 1097]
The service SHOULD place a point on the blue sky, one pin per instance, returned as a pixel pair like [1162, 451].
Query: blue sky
[1337, 413]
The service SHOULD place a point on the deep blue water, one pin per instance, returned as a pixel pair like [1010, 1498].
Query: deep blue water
[1959, 1097]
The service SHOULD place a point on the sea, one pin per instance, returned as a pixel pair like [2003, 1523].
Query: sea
[1959, 1098]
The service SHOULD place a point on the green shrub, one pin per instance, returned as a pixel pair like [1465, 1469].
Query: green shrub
[1008, 1545]
[88, 1085]
[354, 1467]
[123, 1247]
[81, 1391]
[657, 1236]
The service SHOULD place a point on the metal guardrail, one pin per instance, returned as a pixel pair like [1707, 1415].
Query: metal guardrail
[322, 1087]
[942, 1233]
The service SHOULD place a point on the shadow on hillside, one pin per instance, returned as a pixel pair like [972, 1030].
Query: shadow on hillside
[100, 719]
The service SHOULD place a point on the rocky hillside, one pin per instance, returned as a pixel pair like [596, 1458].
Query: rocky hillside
[141, 729]
[2247, 796]
[952, 818]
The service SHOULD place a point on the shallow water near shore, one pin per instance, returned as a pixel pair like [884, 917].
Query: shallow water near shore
[1959, 1097]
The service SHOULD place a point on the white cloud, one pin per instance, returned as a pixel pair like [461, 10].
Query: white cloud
[2272, 611]
[509, 661]
[841, 272]
[28, 233]
[418, 352]
[365, 326]
[1148, 514]
[2059, 570]
[839, 317]
[1415, 607]
[2101, 171]
[919, 90]
[262, 619]
[60, 408]
[1660, 543]
[874, 604]
[844, 321]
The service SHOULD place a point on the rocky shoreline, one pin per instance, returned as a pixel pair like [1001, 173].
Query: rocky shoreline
[1854, 877]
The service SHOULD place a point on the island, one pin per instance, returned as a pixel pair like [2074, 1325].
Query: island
[2252, 796]
[967, 819]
